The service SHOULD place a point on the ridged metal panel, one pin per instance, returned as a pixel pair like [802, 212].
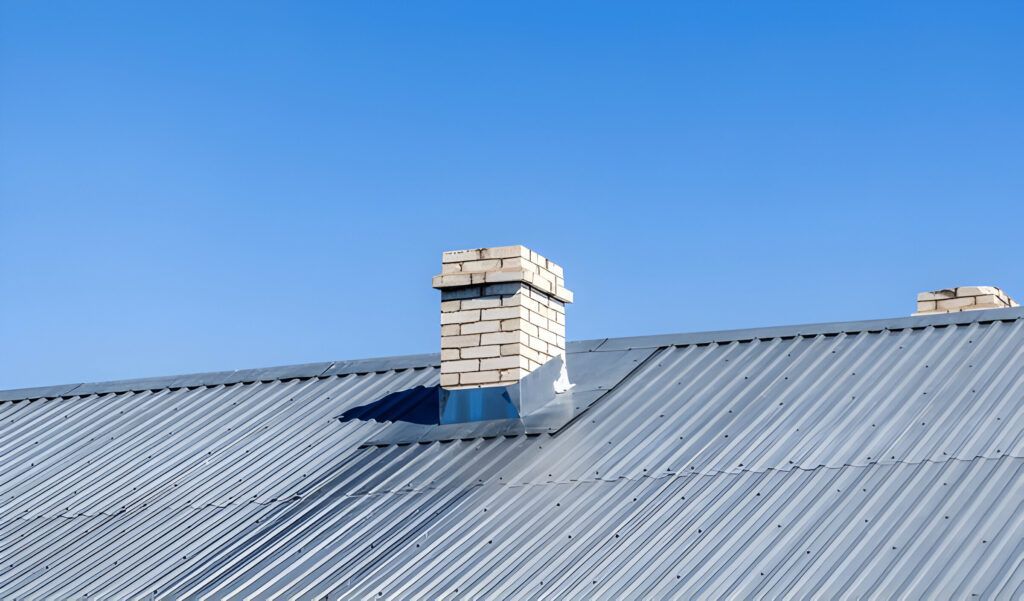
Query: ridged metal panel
[848, 399]
[881, 462]
[914, 530]
[206, 446]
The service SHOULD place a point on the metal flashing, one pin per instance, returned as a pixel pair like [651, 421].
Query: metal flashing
[594, 374]
[528, 395]
[584, 346]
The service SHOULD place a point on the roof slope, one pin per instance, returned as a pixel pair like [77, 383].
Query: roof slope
[876, 458]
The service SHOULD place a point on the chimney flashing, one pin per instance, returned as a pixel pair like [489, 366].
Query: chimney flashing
[528, 396]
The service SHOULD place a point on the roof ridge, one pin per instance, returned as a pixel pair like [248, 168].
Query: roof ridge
[813, 329]
[425, 360]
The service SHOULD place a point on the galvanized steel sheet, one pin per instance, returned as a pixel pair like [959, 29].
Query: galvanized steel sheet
[886, 461]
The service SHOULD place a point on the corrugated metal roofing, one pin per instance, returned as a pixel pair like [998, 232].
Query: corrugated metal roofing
[879, 459]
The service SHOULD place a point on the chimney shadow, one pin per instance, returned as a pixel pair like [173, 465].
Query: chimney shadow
[415, 406]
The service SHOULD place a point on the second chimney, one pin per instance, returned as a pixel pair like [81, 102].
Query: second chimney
[502, 315]
[964, 298]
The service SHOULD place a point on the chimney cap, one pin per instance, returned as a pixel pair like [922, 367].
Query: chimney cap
[499, 265]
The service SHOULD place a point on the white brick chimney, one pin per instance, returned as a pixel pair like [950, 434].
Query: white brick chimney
[964, 298]
[502, 315]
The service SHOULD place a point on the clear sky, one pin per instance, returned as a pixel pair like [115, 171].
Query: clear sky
[199, 186]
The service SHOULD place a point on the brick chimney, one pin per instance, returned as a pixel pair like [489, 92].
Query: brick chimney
[964, 298]
[502, 315]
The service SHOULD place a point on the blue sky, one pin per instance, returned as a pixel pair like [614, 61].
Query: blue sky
[206, 186]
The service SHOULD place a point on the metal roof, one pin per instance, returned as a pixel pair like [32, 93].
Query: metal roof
[879, 459]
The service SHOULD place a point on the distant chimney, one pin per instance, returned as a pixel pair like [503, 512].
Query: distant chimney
[964, 298]
[502, 315]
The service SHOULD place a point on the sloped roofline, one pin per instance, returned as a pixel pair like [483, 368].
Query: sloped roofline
[422, 361]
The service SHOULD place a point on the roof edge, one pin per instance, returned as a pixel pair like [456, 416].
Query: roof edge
[420, 361]
[216, 378]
